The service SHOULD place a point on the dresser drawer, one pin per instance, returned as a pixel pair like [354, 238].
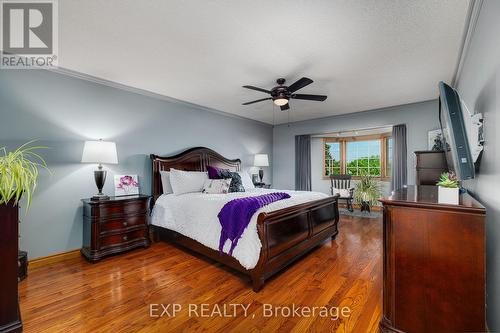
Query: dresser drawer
[122, 224]
[118, 209]
[124, 238]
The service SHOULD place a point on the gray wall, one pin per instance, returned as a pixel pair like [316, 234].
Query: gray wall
[63, 111]
[418, 117]
[479, 87]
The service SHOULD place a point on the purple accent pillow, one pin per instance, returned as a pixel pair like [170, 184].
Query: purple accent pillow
[214, 172]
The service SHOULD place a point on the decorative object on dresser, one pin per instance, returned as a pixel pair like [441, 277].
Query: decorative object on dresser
[262, 185]
[18, 177]
[99, 152]
[261, 160]
[115, 225]
[448, 189]
[126, 185]
[434, 263]
[341, 185]
[429, 166]
[285, 234]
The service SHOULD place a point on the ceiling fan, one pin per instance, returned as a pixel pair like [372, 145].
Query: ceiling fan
[281, 94]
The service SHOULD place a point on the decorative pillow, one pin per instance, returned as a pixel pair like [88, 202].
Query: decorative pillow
[344, 193]
[215, 172]
[187, 181]
[236, 184]
[165, 182]
[246, 180]
[216, 186]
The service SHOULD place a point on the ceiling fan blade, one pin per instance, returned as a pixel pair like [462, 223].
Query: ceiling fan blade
[259, 100]
[301, 83]
[319, 98]
[258, 89]
[284, 107]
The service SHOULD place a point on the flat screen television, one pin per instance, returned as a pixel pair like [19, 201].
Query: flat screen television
[456, 143]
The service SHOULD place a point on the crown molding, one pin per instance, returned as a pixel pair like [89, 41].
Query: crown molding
[469, 28]
[147, 93]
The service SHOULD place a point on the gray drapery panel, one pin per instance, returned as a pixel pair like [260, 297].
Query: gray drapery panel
[303, 162]
[399, 158]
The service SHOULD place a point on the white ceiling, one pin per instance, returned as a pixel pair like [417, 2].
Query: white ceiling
[363, 54]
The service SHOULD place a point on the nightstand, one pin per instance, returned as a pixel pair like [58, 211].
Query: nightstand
[262, 185]
[115, 225]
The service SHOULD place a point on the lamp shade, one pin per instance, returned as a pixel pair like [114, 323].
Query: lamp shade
[261, 160]
[99, 152]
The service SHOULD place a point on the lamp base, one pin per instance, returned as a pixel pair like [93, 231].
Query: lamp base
[100, 197]
[100, 179]
[261, 174]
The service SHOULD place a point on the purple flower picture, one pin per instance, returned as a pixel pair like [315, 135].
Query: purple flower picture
[126, 185]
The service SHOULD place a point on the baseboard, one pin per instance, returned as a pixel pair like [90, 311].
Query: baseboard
[356, 206]
[58, 257]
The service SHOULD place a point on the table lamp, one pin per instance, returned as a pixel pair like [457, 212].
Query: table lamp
[261, 160]
[100, 152]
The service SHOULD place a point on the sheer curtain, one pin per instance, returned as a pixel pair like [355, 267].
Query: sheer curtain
[303, 162]
[399, 158]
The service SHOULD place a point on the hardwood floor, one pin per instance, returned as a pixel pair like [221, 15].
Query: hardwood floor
[115, 294]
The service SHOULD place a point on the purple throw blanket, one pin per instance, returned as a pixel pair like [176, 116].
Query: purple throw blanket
[236, 214]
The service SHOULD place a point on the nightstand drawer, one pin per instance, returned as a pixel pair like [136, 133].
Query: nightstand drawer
[122, 224]
[120, 239]
[119, 209]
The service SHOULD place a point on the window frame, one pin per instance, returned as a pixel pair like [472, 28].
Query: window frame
[382, 138]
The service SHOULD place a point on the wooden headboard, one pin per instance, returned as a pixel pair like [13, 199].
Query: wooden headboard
[194, 159]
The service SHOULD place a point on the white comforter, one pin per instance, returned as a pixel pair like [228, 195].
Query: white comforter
[195, 215]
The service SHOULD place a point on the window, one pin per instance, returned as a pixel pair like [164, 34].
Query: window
[358, 156]
[332, 158]
[363, 158]
[388, 157]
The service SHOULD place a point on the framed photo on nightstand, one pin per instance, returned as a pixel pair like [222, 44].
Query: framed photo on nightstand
[126, 185]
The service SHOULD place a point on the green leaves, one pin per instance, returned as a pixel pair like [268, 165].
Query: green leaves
[19, 173]
[367, 190]
[448, 180]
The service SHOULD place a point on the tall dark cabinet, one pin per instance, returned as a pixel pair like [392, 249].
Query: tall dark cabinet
[434, 263]
[10, 317]
[429, 166]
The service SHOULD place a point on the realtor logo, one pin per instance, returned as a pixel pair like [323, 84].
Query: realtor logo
[29, 34]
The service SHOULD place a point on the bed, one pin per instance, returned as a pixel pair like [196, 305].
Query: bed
[277, 235]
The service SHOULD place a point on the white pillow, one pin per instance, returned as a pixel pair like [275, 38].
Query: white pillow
[246, 180]
[165, 182]
[216, 186]
[187, 181]
[344, 193]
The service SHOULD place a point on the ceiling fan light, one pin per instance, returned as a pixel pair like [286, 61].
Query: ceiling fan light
[280, 101]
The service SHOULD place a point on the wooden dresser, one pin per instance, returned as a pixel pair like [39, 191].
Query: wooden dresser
[434, 263]
[429, 166]
[115, 225]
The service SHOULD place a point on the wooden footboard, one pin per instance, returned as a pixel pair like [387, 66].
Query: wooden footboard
[288, 234]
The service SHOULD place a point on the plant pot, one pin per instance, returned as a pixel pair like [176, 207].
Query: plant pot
[447, 195]
[10, 318]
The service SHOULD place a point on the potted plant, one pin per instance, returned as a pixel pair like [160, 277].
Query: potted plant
[448, 189]
[18, 177]
[367, 192]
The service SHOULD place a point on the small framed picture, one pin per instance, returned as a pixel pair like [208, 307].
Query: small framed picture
[126, 185]
[435, 140]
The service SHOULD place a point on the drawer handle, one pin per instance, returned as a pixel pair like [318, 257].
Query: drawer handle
[125, 237]
[125, 224]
